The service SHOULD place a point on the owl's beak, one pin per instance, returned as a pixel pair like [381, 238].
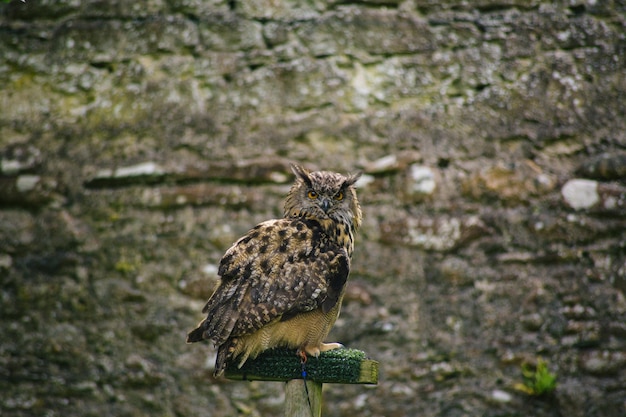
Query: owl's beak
[325, 204]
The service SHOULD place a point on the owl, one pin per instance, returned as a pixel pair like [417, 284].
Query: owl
[282, 283]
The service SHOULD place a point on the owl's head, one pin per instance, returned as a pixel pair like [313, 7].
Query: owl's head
[324, 195]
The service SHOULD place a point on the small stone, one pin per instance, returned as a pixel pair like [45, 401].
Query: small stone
[422, 179]
[27, 183]
[19, 158]
[580, 193]
[393, 163]
[444, 370]
[364, 181]
[384, 164]
[210, 269]
[591, 195]
[143, 169]
[501, 396]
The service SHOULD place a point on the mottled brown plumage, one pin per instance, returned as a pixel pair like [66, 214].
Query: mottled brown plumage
[282, 283]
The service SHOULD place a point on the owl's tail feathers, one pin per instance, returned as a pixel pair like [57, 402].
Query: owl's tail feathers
[224, 353]
[196, 335]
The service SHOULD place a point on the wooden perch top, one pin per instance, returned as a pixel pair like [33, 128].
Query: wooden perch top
[340, 366]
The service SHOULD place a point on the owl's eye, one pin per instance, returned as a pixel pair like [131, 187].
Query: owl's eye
[312, 195]
[339, 196]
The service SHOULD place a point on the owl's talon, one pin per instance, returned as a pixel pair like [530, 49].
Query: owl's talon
[317, 350]
[325, 347]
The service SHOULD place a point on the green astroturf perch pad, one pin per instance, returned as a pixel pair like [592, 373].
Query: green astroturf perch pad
[338, 366]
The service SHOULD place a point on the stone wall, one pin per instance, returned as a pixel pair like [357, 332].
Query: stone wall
[139, 139]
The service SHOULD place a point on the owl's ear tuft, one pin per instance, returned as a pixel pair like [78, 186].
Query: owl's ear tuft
[301, 173]
[352, 179]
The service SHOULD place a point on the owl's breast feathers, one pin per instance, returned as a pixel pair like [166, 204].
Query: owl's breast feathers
[276, 272]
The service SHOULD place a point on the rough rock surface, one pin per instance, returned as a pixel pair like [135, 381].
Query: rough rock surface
[138, 140]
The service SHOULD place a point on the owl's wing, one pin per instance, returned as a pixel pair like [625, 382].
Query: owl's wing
[277, 270]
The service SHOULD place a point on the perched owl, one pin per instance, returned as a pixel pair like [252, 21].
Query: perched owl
[283, 282]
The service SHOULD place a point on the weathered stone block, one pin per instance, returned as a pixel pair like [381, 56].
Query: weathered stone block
[510, 184]
[353, 31]
[433, 233]
[226, 32]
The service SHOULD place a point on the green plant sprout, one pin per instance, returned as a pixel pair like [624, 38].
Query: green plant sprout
[538, 380]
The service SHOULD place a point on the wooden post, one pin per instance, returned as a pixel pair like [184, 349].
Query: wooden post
[296, 402]
[339, 366]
